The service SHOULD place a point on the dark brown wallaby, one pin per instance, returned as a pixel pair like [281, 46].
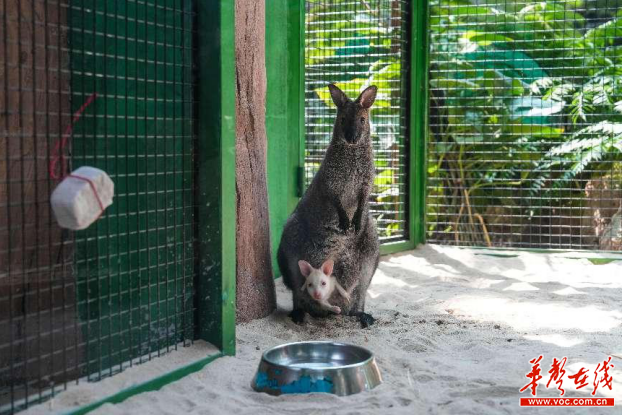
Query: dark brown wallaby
[332, 220]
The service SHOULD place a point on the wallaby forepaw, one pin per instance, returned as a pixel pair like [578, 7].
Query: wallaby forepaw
[297, 316]
[366, 320]
[336, 310]
[347, 297]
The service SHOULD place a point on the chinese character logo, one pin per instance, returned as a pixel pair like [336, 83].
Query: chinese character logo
[534, 375]
[602, 378]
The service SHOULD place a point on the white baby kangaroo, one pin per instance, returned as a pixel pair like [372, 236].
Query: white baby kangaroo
[320, 284]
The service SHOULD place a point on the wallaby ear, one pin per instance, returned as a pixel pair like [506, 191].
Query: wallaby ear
[327, 267]
[305, 268]
[368, 96]
[339, 98]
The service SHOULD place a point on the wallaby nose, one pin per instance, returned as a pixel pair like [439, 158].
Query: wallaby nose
[351, 135]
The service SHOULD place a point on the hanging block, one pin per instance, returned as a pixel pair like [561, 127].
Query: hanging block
[80, 199]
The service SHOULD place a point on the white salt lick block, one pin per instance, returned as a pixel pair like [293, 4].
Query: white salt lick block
[74, 201]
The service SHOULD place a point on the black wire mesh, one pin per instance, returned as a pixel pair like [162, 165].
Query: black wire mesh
[356, 43]
[90, 303]
[526, 124]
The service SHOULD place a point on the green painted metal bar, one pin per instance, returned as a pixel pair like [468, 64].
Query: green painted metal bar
[148, 386]
[297, 79]
[284, 118]
[616, 254]
[216, 213]
[418, 119]
[395, 247]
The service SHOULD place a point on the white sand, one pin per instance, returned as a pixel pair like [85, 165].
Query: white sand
[455, 332]
[86, 393]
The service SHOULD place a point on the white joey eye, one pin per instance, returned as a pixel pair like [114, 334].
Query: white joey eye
[310, 285]
[323, 282]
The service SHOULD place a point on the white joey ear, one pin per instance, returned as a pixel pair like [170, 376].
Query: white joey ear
[367, 97]
[327, 267]
[305, 268]
[339, 98]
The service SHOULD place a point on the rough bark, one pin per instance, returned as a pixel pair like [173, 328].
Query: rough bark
[255, 291]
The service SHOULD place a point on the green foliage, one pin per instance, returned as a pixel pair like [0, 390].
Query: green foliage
[524, 97]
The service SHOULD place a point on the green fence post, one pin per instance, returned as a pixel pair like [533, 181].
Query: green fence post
[284, 111]
[215, 165]
[418, 119]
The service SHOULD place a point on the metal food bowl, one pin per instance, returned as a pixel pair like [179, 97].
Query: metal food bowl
[305, 367]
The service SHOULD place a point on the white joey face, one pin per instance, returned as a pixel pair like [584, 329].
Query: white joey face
[318, 282]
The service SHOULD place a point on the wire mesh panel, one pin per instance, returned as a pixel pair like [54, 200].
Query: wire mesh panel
[526, 124]
[108, 84]
[355, 44]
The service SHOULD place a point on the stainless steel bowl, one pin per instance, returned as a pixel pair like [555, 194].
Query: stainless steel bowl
[305, 367]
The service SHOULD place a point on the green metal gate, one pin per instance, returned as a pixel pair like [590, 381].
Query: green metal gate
[526, 124]
[113, 85]
[135, 267]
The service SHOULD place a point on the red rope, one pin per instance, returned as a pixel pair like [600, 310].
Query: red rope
[90, 182]
[58, 154]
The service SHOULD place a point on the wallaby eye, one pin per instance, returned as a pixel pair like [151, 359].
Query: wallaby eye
[362, 120]
[323, 282]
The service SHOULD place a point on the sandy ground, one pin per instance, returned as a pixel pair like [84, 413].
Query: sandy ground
[455, 332]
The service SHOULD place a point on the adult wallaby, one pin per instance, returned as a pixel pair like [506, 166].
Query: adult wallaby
[332, 220]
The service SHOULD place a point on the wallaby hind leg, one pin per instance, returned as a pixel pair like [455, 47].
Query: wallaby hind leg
[358, 309]
[366, 319]
[368, 269]
[297, 314]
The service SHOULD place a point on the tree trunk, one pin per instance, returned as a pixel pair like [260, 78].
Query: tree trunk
[255, 292]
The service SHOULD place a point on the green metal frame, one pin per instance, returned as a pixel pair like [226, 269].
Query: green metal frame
[418, 130]
[419, 118]
[124, 119]
[216, 197]
[616, 255]
[284, 111]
